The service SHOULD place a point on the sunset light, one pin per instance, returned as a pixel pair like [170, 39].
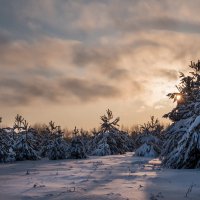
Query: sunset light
[99, 99]
[69, 61]
[179, 97]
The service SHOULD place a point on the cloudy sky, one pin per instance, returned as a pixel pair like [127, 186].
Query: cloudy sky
[68, 61]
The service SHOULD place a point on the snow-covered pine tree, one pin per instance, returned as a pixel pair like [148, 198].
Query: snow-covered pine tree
[182, 148]
[109, 140]
[45, 139]
[56, 145]
[77, 149]
[149, 139]
[86, 139]
[6, 145]
[24, 141]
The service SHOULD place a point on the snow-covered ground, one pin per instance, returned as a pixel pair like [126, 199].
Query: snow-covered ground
[99, 178]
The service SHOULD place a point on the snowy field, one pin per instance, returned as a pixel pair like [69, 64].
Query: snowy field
[109, 177]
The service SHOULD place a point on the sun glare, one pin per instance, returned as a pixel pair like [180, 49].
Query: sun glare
[178, 97]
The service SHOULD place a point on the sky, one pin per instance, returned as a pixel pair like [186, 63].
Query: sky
[68, 61]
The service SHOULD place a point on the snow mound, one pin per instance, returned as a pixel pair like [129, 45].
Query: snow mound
[147, 150]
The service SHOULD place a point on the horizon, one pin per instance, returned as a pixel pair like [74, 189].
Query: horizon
[122, 126]
[69, 61]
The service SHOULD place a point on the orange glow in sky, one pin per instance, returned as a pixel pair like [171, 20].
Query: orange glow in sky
[69, 61]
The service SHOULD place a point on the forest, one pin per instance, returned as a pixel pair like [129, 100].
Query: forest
[177, 145]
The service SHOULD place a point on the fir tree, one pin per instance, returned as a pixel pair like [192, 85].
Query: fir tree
[24, 141]
[149, 139]
[77, 149]
[56, 146]
[108, 124]
[187, 97]
[182, 149]
[109, 140]
[6, 145]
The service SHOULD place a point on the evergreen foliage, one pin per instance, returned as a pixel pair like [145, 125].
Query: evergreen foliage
[77, 149]
[188, 92]
[56, 146]
[110, 140]
[149, 139]
[6, 145]
[24, 142]
[182, 148]
[108, 124]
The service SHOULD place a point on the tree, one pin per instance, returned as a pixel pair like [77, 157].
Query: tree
[182, 148]
[149, 139]
[56, 146]
[107, 123]
[187, 97]
[77, 148]
[109, 140]
[6, 145]
[24, 140]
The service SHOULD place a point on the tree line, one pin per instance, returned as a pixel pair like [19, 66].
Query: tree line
[178, 145]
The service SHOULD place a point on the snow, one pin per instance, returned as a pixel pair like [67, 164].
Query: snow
[100, 178]
[112, 142]
[149, 139]
[182, 148]
[146, 150]
[195, 124]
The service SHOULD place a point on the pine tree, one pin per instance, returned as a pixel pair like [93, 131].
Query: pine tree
[109, 140]
[24, 141]
[149, 139]
[46, 142]
[6, 145]
[77, 149]
[56, 146]
[182, 148]
[86, 139]
[187, 97]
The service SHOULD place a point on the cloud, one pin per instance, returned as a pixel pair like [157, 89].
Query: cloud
[72, 90]
[172, 24]
[87, 55]
[43, 70]
[59, 70]
[167, 73]
[83, 19]
[119, 74]
[44, 52]
[93, 50]
[102, 58]
[86, 90]
[24, 92]
[4, 37]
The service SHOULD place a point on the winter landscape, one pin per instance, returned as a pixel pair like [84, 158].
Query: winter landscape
[99, 100]
[151, 162]
[109, 177]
